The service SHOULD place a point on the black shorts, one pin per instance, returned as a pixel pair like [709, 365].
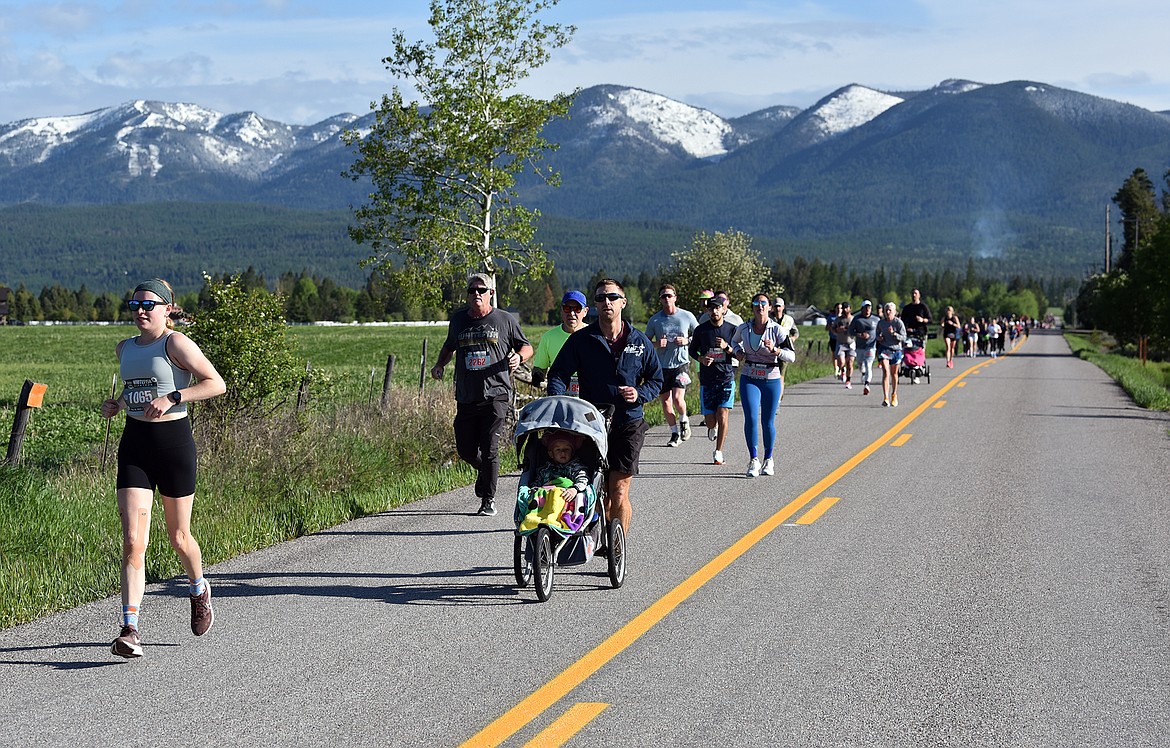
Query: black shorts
[625, 446]
[158, 455]
[670, 377]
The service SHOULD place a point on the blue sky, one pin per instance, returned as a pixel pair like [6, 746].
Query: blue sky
[300, 61]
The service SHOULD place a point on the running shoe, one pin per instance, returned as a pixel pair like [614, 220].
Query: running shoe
[885, 403]
[202, 616]
[685, 429]
[865, 389]
[487, 508]
[712, 434]
[769, 467]
[753, 468]
[848, 384]
[717, 457]
[675, 440]
[127, 644]
[915, 380]
[950, 364]
[894, 401]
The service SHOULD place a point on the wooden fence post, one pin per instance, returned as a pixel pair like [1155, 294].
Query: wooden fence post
[31, 396]
[422, 368]
[303, 390]
[386, 380]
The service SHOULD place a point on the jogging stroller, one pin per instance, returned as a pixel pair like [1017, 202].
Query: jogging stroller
[549, 532]
[914, 364]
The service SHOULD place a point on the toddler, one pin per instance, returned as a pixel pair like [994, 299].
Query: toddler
[562, 446]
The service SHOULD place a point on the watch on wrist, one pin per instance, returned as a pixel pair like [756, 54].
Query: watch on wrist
[176, 397]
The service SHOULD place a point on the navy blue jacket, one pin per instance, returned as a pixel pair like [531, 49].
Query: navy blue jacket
[600, 374]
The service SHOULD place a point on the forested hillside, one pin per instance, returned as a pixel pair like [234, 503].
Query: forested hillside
[106, 247]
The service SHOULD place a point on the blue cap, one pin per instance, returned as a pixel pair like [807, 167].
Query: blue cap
[576, 296]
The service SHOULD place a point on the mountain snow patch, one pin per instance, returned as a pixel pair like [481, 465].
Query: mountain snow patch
[697, 131]
[853, 107]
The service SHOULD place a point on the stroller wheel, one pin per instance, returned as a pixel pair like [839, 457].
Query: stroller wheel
[522, 561]
[542, 564]
[616, 540]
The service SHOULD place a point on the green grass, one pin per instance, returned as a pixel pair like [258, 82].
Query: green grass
[274, 480]
[1148, 384]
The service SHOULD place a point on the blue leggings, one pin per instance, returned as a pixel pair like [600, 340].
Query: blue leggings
[759, 397]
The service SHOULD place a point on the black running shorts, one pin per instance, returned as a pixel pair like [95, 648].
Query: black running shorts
[158, 455]
[625, 446]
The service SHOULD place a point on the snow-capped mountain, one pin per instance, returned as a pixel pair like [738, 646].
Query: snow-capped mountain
[144, 150]
[125, 153]
[858, 160]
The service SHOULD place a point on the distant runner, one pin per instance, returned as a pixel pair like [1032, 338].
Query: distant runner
[670, 330]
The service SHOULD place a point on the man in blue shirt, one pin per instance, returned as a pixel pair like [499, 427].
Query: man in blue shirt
[616, 366]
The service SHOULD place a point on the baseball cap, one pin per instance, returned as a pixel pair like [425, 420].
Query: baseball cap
[779, 301]
[706, 293]
[867, 302]
[576, 296]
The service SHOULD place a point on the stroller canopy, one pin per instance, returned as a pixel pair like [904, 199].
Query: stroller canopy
[567, 413]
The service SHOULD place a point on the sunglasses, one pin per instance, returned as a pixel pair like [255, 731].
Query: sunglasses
[666, 296]
[759, 303]
[147, 306]
[572, 309]
[477, 290]
[612, 296]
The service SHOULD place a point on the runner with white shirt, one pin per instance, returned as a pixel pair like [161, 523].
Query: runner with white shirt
[758, 346]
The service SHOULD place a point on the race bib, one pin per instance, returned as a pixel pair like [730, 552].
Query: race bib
[476, 360]
[139, 393]
[716, 353]
[574, 386]
[755, 371]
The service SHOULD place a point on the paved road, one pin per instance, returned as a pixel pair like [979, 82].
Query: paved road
[993, 572]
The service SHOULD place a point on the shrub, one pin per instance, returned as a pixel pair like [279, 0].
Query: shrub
[242, 333]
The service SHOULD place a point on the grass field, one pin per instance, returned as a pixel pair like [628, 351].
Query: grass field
[1148, 384]
[294, 474]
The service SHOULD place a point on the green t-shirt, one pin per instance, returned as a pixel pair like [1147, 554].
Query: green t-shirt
[549, 347]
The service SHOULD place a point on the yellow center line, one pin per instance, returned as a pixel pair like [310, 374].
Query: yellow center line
[901, 440]
[822, 506]
[567, 725]
[556, 689]
[940, 404]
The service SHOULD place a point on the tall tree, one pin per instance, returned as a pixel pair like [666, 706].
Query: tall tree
[444, 169]
[1139, 213]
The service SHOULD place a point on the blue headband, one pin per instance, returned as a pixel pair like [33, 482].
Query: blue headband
[156, 287]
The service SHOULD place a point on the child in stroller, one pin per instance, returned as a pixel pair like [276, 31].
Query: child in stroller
[560, 512]
[914, 364]
[564, 472]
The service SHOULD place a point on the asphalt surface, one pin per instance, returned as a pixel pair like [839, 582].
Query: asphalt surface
[994, 572]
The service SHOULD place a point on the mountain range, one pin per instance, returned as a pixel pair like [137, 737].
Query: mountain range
[1020, 171]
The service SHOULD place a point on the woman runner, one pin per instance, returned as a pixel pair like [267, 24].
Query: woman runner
[158, 451]
[757, 345]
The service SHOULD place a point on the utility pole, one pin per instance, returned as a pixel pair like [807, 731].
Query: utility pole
[1108, 240]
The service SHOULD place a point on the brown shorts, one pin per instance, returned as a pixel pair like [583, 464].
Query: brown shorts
[625, 446]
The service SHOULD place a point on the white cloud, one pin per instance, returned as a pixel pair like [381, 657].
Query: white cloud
[304, 60]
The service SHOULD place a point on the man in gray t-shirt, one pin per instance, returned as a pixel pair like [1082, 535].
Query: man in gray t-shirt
[487, 345]
[670, 330]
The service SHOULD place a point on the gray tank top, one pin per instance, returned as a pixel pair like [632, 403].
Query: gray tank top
[148, 373]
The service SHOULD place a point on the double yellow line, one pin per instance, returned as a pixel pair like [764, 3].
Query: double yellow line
[516, 718]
